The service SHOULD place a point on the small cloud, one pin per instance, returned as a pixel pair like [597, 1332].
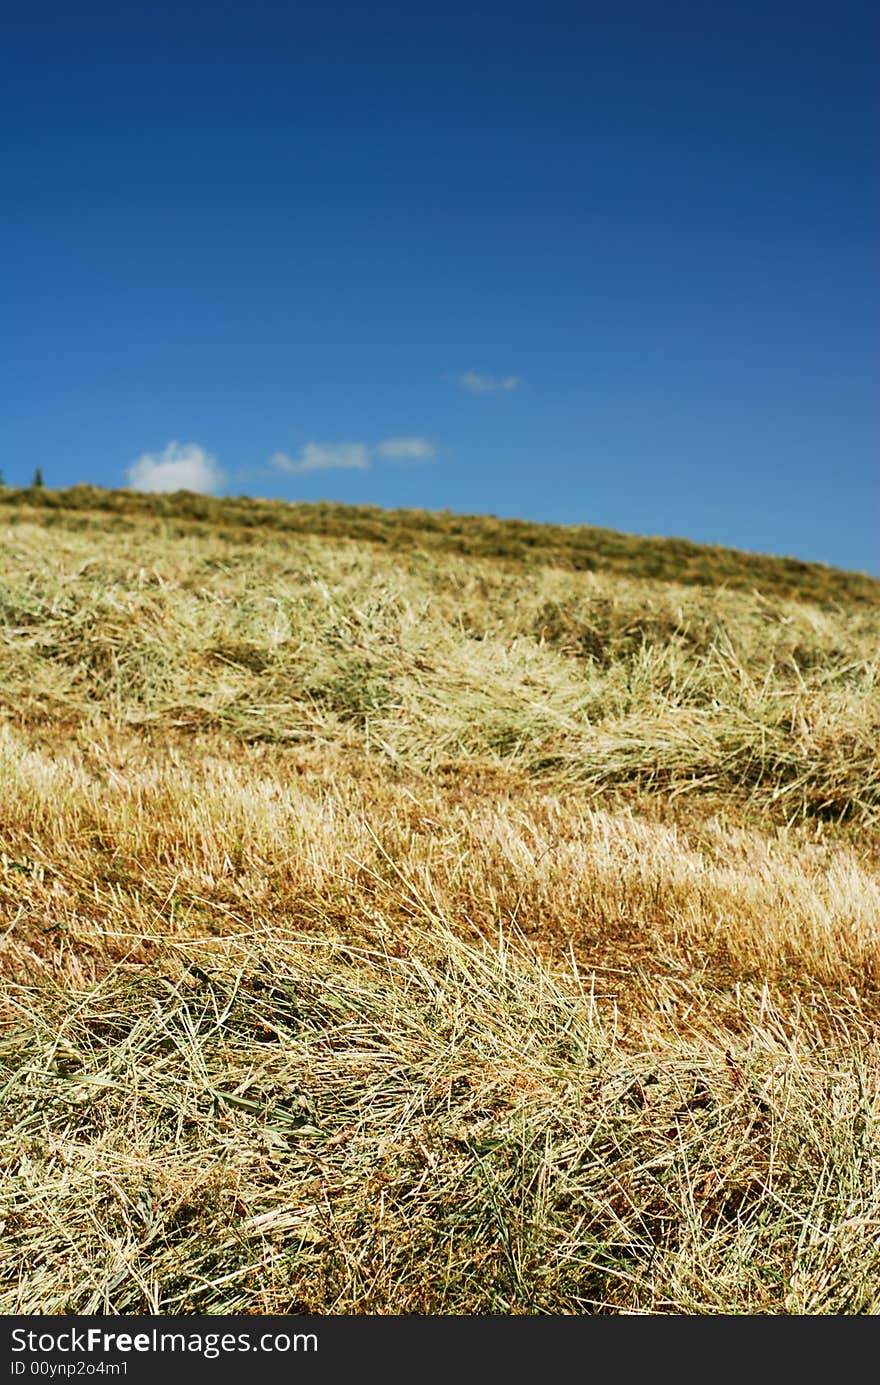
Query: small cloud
[319, 456]
[352, 456]
[405, 450]
[488, 384]
[181, 467]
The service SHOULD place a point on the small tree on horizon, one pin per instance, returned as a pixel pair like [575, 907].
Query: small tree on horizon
[38, 481]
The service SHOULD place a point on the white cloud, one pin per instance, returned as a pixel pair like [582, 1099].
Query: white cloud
[321, 456]
[488, 384]
[405, 450]
[352, 456]
[181, 467]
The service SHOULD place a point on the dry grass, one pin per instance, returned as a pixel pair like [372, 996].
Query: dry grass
[577, 548]
[293, 1125]
[422, 933]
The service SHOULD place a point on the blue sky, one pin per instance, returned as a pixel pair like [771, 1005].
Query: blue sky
[613, 264]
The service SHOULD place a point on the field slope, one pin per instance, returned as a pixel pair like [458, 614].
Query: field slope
[409, 913]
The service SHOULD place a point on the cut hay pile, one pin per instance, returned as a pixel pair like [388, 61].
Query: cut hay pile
[385, 929]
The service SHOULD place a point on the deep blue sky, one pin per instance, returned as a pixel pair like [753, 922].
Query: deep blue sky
[259, 228]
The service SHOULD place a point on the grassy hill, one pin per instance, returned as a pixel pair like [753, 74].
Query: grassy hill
[408, 913]
[576, 548]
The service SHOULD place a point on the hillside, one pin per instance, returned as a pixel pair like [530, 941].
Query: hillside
[577, 548]
[407, 913]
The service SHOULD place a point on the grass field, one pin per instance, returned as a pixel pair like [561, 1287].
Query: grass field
[418, 914]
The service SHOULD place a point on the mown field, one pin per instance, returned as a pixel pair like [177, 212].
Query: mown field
[412, 914]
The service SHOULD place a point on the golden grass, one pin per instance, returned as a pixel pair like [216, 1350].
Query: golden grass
[410, 932]
[578, 548]
[95, 837]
